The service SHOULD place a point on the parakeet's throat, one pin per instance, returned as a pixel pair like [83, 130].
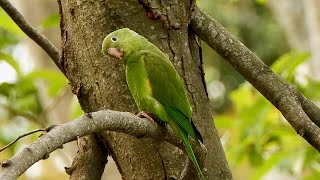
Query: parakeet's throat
[115, 53]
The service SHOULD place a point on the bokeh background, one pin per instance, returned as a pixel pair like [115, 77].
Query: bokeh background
[258, 141]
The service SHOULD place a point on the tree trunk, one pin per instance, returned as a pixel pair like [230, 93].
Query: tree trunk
[99, 81]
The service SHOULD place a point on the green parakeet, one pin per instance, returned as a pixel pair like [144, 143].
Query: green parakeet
[154, 84]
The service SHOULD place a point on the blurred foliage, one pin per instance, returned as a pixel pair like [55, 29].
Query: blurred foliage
[21, 109]
[253, 24]
[256, 136]
[7, 24]
[51, 21]
[20, 99]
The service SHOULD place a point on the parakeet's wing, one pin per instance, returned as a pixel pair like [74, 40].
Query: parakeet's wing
[167, 88]
[184, 122]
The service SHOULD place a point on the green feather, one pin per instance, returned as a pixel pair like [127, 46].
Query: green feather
[184, 123]
[184, 129]
[154, 84]
[190, 152]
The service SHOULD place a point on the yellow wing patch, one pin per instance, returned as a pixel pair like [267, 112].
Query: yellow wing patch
[148, 86]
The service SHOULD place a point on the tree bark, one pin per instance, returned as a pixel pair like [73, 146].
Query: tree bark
[91, 150]
[99, 81]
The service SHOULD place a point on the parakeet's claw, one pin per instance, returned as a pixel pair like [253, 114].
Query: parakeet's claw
[150, 117]
[143, 114]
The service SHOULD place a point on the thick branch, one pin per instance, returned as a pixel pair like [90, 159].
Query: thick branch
[299, 112]
[84, 125]
[33, 33]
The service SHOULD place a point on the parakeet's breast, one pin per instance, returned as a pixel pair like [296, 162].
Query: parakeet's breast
[138, 83]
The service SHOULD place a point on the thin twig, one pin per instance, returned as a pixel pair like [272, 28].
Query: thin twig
[21, 136]
[33, 33]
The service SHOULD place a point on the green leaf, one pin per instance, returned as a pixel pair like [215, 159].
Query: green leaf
[76, 109]
[51, 21]
[22, 96]
[27, 104]
[6, 88]
[55, 79]
[268, 164]
[311, 91]
[261, 2]
[7, 23]
[12, 62]
[49, 75]
[286, 65]
[223, 121]
[7, 38]
[254, 154]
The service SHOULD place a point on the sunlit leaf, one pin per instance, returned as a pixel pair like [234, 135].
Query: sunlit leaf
[11, 61]
[76, 109]
[268, 164]
[311, 90]
[21, 97]
[5, 89]
[24, 98]
[223, 121]
[286, 65]
[56, 80]
[51, 21]
[262, 2]
[7, 23]
[7, 38]
[255, 155]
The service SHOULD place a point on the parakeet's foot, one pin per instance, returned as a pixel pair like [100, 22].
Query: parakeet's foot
[149, 116]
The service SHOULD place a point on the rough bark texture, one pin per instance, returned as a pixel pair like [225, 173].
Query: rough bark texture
[100, 82]
[91, 149]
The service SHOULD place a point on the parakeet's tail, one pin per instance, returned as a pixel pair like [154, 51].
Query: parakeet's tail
[189, 150]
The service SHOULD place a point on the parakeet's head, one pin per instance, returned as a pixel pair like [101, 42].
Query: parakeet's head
[120, 43]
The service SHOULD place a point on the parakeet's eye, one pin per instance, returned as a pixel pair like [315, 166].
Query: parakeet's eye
[114, 39]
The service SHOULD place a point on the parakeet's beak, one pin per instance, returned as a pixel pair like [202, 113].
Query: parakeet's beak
[115, 53]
